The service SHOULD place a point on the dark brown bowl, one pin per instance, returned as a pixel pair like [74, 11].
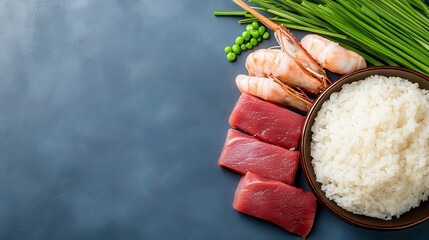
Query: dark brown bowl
[406, 220]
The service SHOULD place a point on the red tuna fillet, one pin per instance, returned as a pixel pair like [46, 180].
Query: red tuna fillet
[242, 153]
[267, 121]
[289, 207]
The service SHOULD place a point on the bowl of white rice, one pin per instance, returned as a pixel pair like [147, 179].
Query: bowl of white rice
[365, 148]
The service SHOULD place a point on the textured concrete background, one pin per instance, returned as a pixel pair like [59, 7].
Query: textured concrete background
[112, 116]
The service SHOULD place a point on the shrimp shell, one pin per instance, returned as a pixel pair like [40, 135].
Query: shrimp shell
[331, 55]
[274, 91]
[276, 63]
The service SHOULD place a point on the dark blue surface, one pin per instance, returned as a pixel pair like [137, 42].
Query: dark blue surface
[113, 115]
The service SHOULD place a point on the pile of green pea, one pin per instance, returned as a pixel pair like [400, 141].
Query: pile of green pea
[251, 37]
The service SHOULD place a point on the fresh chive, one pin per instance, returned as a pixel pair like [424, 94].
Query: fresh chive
[222, 13]
[313, 29]
[400, 47]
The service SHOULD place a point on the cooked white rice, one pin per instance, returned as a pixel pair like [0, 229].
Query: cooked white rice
[370, 146]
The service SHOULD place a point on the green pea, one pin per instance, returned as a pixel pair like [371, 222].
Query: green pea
[261, 30]
[243, 47]
[246, 35]
[236, 49]
[239, 40]
[253, 41]
[249, 45]
[259, 39]
[249, 27]
[266, 35]
[254, 33]
[231, 57]
[255, 25]
[228, 49]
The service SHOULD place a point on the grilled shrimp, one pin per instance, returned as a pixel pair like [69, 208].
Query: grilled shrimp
[276, 63]
[274, 91]
[331, 55]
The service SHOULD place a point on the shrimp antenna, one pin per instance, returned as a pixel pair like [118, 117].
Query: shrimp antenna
[267, 22]
[290, 45]
[294, 91]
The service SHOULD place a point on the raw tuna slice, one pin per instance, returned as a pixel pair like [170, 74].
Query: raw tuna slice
[267, 121]
[289, 207]
[242, 153]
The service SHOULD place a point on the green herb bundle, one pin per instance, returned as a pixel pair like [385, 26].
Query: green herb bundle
[393, 32]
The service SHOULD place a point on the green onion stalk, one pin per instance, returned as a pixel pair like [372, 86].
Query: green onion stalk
[384, 32]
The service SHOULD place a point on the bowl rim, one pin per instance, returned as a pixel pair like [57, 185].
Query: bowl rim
[312, 184]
